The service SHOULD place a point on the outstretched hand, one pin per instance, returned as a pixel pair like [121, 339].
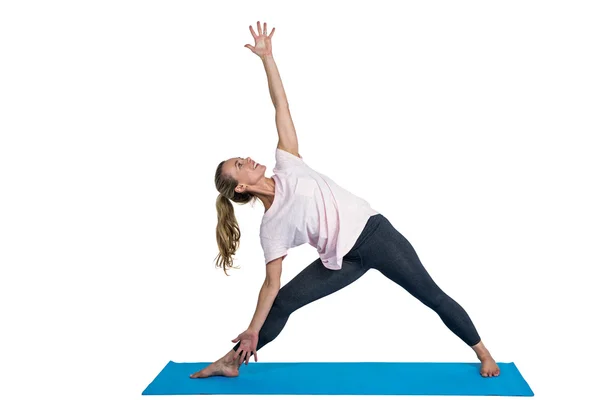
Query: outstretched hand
[248, 342]
[262, 42]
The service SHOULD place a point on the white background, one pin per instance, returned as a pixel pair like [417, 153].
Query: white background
[470, 125]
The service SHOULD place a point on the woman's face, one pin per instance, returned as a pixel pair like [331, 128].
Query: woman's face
[244, 171]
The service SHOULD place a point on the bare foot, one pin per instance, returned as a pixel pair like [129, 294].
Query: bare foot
[489, 367]
[218, 368]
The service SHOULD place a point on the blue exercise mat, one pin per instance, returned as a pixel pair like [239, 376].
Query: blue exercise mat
[343, 378]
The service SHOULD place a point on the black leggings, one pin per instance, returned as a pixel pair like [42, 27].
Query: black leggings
[380, 246]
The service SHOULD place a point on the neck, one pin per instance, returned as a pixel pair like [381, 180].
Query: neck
[265, 191]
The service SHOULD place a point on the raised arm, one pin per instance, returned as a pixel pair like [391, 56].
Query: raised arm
[288, 140]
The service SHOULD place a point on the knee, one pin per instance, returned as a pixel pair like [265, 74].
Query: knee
[279, 306]
[437, 301]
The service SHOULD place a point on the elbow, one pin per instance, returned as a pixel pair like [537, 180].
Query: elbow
[272, 285]
[281, 104]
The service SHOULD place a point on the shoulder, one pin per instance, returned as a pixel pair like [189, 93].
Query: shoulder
[287, 152]
[286, 160]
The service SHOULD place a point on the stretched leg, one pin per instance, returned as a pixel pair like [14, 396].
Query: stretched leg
[312, 283]
[398, 261]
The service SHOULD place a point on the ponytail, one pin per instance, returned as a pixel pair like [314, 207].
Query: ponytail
[228, 230]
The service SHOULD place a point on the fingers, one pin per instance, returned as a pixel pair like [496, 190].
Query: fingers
[246, 356]
[261, 31]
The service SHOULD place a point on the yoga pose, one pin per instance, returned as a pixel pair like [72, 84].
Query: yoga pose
[305, 206]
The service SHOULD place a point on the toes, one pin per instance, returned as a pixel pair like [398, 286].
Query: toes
[196, 375]
[489, 374]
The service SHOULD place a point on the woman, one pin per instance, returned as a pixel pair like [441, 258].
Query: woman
[304, 206]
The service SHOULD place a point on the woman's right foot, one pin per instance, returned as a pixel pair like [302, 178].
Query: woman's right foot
[218, 368]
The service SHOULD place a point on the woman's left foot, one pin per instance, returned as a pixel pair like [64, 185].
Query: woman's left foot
[489, 367]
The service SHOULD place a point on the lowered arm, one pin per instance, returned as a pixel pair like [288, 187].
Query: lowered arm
[268, 293]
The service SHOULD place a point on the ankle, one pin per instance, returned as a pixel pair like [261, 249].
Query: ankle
[228, 358]
[481, 351]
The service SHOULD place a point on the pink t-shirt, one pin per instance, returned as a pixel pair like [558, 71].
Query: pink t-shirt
[311, 208]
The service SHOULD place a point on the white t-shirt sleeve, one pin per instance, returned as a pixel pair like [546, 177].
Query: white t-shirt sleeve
[285, 160]
[273, 248]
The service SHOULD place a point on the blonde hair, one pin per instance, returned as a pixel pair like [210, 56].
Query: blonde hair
[228, 230]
